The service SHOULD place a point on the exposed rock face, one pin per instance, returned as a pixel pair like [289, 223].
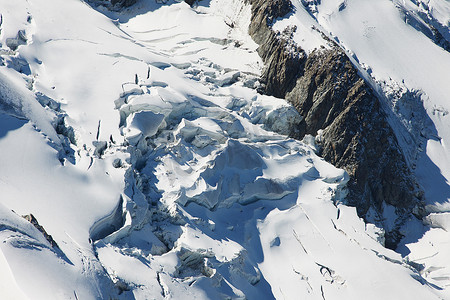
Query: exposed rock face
[330, 95]
[30, 218]
[123, 3]
[280, 63]
[356, 135]
[190, 2]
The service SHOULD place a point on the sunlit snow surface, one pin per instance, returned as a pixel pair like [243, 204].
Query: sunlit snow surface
[182, 183]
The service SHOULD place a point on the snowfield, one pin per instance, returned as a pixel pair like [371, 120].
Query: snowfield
[139, 142]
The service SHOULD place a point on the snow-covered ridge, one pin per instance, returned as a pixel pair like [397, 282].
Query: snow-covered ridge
[178, 157]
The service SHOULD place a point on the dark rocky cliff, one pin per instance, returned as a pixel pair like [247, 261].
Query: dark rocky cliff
[123, 3]
[336, 102]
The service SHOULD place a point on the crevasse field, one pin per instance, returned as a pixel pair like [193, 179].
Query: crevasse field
[139, 142]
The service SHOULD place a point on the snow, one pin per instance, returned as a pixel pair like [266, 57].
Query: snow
[179, 180]
[318, 259]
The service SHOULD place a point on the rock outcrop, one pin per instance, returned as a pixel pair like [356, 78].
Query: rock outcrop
[123, 3]
[342, 110]
[30, 218]
[190, 2]
[281, 57]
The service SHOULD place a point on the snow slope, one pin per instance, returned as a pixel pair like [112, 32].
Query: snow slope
[140, 144]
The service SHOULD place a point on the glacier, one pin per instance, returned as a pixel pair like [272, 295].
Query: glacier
[141, 142]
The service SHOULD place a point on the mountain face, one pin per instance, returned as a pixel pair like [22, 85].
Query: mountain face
[241, 149]
[332, 97]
